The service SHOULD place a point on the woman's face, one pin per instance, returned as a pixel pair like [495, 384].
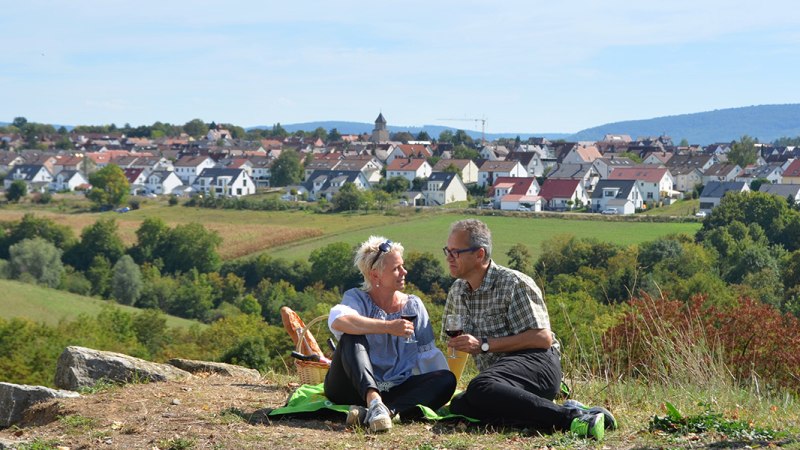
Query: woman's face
[393, 273]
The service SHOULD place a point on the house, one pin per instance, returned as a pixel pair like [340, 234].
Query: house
[408, 169]
[587, 173]
[9, 160]
[494, 152]
[715, 190]
[261, 170]
[784, 191]
[772, 172]
[189, 167]
[162, 182]
[68, 180]
[792, 173]
[604, 166]
[443, 188]
[468, 170]
[514, 202]
[406, 151]
[36, 176]
[488, 171]
[367, 164]
[701, 162]
[721, 172]
[537, 159]
[68, 162]
[655, 183]
[326, 183]
[686, 178]
[517, 187]
[136, 179]
[563, 194]
[581, 154]
[224, 183]
[657, 158]
[621, 195]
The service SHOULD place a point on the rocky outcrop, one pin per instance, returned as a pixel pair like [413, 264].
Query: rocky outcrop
[80, 367]
[228, 370]
[15, 398]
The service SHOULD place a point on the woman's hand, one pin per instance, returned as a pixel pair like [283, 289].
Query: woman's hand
[400, 327]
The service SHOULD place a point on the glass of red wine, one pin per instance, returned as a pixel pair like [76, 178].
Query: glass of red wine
[409, 313]
[453, 326]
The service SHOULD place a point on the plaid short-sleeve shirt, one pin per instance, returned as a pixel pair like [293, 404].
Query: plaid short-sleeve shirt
[506, 303]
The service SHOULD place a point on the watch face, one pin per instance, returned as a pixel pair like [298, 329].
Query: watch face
[485, 346]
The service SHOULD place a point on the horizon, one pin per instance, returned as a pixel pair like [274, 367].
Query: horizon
[582, 65]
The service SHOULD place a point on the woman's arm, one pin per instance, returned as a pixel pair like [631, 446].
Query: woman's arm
[358, 325]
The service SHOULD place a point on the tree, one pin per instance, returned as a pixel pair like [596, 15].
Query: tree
[333, 266]
[446, 136]
[425, 271]
[287, 169]
[38, 259]
[519, 258]
[190, 247]
[31, 226]
[126, 281]
[99, 274]
[397, 184]
[109, 186]
[334, 135]
[464, 152]
[16, 191]
[349, 198]
[98, 239]
[402, 136]
[196, 128]
[462, 138]
[278, 131]
[423, 136]
[150, 237]
[744, 152]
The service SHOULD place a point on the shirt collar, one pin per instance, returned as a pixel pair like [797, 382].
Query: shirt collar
[488, 280]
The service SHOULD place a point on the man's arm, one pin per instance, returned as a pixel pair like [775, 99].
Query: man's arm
[529, 339]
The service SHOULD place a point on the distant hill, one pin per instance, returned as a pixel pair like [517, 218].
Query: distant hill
[765, 122]
[432, 130]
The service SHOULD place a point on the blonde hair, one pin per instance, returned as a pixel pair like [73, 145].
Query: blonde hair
[369, 256]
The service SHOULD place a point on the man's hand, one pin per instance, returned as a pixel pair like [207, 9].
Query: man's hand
[466, 343]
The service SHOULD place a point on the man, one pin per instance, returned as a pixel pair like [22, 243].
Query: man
[507, 330]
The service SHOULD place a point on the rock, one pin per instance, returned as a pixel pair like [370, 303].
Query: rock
[228, 370]
[16, 398]
[79, 367]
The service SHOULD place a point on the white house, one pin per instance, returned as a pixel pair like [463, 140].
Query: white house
[491, 170]
[581, 154]
[443, 188]
[162, 182]
[326, 183]
[621, 195]
[562, 194]
[468, 169]
[715, 190]
[409, 169]
[189, 167]
[36, 176]
[67, 180]
[654, 183]
[517, 187]
[224, 182]
[406, 151]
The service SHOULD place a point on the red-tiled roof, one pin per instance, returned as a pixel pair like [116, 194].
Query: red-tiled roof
[793, 170]
[405, 164]
[558, 188]
[649, 175]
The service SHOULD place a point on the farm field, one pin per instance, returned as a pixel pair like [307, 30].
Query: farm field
[41, 304]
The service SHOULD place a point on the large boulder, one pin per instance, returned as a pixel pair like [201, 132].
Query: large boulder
[80, 367]
[16, 398]
[228, 370]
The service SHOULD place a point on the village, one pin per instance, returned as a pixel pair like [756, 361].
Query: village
[616, 175]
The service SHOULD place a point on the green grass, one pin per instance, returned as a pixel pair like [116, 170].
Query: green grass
[428, 232]
[50, 305]
[681, 208]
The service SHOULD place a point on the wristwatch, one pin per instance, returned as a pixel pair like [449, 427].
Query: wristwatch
[485, 344]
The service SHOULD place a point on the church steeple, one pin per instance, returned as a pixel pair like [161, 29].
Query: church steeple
[380, 133]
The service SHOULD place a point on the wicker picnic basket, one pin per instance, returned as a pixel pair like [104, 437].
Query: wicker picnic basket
[310, 372]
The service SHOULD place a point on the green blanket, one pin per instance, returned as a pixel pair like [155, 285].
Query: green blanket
[310, 398]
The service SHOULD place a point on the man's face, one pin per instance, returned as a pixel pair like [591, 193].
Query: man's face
[461, 264]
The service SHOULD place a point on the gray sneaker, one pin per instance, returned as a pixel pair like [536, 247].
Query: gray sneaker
[378, 417]
[609, 420]
[356, 416]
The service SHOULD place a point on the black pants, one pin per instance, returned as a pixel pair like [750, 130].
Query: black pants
[350, 376]
[517, 390]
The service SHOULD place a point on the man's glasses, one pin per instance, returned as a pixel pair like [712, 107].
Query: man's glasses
[383, 248]
[448, 253]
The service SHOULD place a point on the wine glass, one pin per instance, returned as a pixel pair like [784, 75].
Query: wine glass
[453, 326]
[409, 313]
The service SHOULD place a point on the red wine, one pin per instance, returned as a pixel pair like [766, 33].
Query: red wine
[454, 333]
[409, 317]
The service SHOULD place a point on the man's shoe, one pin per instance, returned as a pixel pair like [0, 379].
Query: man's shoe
[588, 425]
[378, 417]
[356, 416]
[610, 421]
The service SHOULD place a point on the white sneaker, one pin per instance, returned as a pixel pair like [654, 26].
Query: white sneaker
[378, 417]
[356, 416]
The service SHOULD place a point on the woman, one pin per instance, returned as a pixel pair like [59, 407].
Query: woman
[374, 369]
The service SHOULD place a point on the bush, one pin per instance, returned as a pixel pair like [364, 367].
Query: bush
[173, 200]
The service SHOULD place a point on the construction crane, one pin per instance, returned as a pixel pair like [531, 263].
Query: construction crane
[483, 126]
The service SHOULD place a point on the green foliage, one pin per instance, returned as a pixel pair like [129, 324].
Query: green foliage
[16, 191]
[126, 281]
[425, 271]
[464, 152]
[99, 239]
[744, 152]
[567, 254]
[287, 169]
[707, 421]
[190, 247]
[348, 198]
[333, 266]
[196, 128]
[396, 185]
[109, 186]
[39, 259]
[150, 236]
[194, 297]
[31, 226]
[99, 275]
[519, 258]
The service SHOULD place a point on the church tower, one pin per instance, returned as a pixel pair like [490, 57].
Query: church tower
[380, 133]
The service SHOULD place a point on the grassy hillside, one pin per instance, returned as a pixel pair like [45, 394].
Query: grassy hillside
[49, 305]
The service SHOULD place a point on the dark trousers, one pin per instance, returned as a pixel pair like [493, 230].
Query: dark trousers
[517, 390]
[350, 376]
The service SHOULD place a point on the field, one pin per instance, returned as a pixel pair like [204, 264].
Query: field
[50, 305]
[295, 234]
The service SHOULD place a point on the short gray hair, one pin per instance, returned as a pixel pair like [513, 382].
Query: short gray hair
[479, 234]
[369, 256]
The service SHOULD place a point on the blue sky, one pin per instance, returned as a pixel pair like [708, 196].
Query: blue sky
[525, 66]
